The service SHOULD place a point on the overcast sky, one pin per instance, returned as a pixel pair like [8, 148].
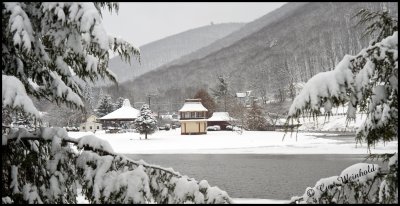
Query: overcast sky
[142, 23]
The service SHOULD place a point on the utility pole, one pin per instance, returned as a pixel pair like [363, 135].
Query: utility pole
[149, 98]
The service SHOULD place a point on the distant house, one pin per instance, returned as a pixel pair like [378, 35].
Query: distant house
[241, 94]
[221, 119]
[124, 115]
[91, 124]
[193, 117]
[244, 97]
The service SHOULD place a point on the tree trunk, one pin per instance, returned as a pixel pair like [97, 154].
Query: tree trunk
[224, 103]
[145, 135]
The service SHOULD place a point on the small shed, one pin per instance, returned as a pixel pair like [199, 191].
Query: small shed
[193, 117]
[91, 124]
[220, 118]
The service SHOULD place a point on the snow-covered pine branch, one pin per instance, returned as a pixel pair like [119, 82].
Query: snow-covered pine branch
[49, 46]
[359, 183]
[367, 80]
[105, 176]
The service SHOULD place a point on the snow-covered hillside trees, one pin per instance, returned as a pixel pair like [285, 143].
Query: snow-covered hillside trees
[46, 49]
[118, 103]
[146, 123]
[105, 106]
[368, 81]
[255, 118]
[221, 91]
[206, 100]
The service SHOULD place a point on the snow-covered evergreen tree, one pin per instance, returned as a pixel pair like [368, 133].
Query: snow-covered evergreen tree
[118, 104]
[146, 123]
[368, 81]
[88, 98]
[221, 91]
[46, 48]
[255, 119]
[206, 100]
[105, 106]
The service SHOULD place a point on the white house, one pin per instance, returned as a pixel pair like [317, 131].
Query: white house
[91, 124]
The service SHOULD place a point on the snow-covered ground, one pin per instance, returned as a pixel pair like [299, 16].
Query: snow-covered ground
[81, 200]
[333, 123]
[228, 142]
[258, 201]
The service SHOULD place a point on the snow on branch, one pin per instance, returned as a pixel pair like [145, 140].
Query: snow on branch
[95, 143]
[368, 81]
[107, 177]
[61, 90]
[14, 95]
[123, 48]
[50, 46]
[330, 84]
[355, 182]
[20, 25]
[345, 79]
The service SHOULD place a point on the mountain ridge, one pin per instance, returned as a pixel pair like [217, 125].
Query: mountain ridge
[164, 50]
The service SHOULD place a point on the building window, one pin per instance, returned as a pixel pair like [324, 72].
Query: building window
[192, 114]
[97, 127]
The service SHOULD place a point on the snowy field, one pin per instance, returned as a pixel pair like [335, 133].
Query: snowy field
[228, 142]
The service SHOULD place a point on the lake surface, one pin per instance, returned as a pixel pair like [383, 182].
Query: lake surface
[263, 176]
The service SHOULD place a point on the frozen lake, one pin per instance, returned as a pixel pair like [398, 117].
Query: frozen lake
[266, 176]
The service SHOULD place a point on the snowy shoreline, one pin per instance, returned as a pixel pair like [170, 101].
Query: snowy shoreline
[228, 142]
[81, 200]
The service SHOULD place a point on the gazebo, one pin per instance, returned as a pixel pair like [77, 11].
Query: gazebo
[125, 114]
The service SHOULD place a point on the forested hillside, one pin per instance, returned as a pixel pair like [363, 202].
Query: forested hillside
[311, 38]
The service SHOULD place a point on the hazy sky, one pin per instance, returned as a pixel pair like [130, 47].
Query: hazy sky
[142, 23]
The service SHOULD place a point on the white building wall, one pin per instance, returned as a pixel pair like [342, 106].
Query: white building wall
[90, 126]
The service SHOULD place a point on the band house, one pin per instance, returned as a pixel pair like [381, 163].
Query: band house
[193, 117]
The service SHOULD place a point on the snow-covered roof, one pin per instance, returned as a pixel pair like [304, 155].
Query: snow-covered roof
[193, 107]
[220, 116]
[241, 94]
[192, 120]
[125, 112]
